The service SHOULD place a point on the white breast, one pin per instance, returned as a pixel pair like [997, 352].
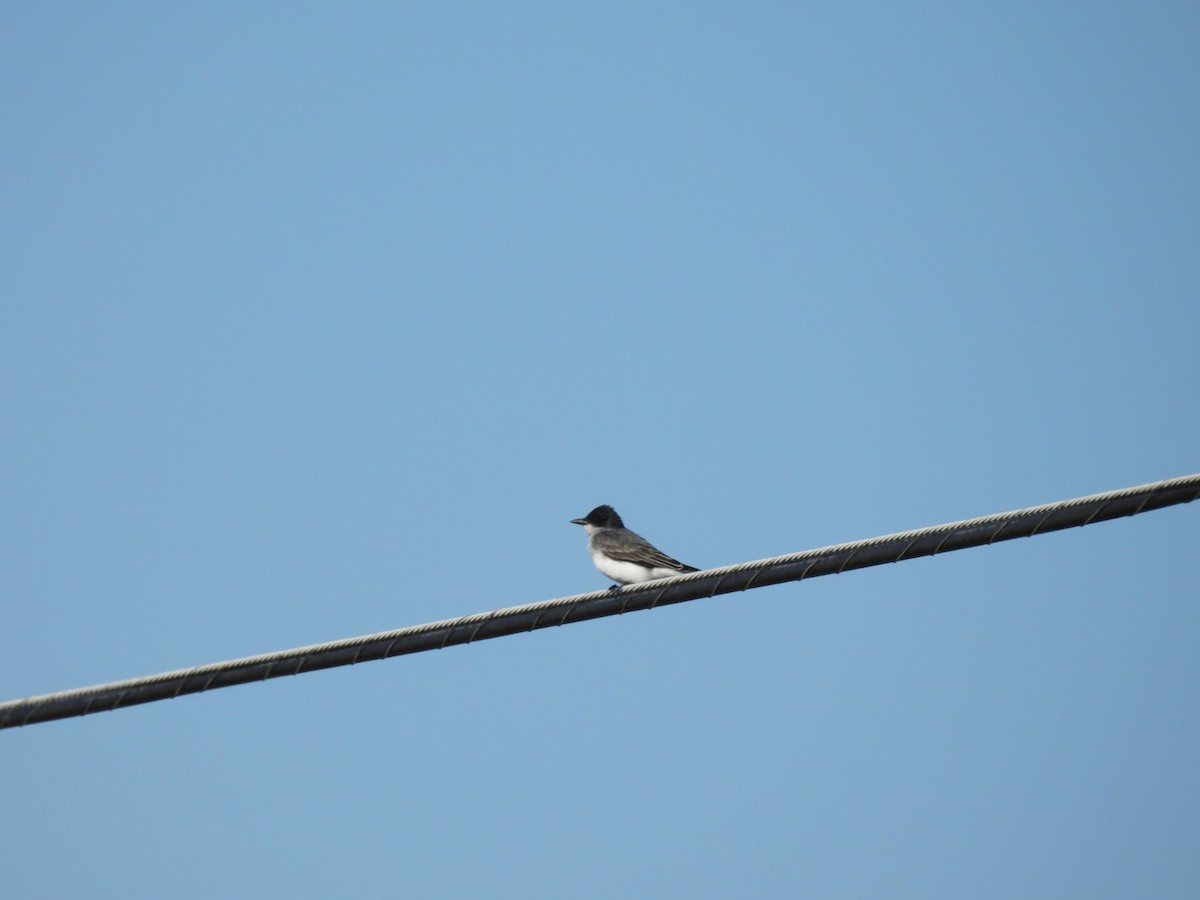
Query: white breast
[627, 572]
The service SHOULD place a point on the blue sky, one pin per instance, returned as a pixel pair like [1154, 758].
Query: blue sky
[322, 319]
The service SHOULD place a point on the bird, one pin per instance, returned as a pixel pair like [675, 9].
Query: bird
[623, 556]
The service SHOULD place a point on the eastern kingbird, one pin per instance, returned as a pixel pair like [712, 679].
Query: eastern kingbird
[623, 556]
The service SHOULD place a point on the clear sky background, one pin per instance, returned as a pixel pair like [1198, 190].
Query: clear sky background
[320, 319]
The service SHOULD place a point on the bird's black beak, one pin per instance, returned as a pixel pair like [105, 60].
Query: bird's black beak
[579, 521]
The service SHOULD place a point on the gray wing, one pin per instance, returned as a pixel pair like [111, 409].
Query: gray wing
[626, 546]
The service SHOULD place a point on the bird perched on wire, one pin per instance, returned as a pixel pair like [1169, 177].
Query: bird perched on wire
[623, 556]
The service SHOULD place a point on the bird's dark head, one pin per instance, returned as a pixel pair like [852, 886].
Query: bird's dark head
[601, 517]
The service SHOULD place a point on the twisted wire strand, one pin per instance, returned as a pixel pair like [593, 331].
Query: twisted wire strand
[829, 560]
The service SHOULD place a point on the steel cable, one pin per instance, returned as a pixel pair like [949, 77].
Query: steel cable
[580, 607]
